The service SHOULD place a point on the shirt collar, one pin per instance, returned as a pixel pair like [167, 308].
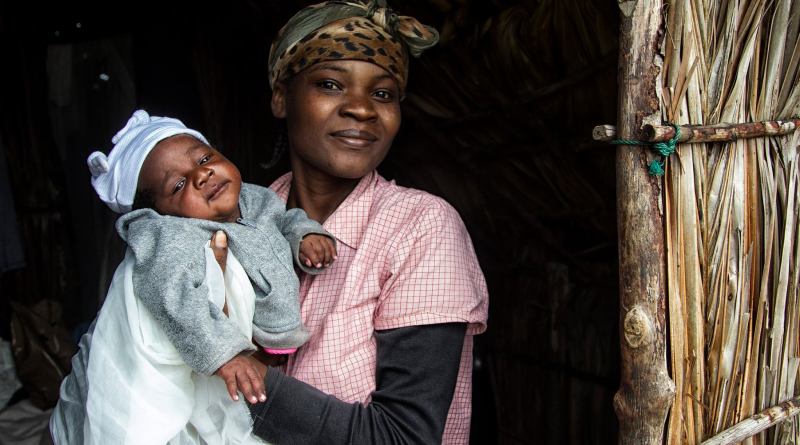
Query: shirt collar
[349, 221]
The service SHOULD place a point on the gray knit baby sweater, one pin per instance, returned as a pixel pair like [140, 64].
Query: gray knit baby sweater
[169, 276]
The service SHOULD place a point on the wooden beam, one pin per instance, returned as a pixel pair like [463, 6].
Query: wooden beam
[704, 133]
[646, 390]
[757, 423]
[605, 133]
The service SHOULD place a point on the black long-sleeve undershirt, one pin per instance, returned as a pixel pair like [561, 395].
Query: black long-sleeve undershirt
[416, 374]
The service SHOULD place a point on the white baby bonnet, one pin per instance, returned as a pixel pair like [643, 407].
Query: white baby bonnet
[115, 177]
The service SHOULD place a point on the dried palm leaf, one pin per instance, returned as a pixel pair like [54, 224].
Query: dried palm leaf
[732, 216]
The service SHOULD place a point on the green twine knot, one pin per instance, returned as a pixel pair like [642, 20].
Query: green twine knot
[656, 168]
[665, 149]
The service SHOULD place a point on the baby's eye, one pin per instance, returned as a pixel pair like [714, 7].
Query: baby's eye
[205, 159]
[179, 185]
[328, 84]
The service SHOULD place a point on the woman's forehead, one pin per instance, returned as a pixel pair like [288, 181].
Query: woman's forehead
[354, 38]
[352, 67]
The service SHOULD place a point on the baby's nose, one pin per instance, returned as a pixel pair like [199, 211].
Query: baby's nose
[202, 175]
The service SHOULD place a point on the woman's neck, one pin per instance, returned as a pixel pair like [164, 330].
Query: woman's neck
[317, 193]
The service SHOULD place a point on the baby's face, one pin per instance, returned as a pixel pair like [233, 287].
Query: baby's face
[190, 179]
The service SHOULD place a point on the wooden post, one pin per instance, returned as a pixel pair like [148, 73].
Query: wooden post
[646, 390]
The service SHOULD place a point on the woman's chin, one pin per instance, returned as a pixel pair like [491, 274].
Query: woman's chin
[354, 172]
[348, 168]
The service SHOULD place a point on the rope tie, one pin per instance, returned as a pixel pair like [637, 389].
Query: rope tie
[665, 149]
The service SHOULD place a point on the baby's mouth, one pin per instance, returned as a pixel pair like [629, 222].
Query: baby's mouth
[217, 189]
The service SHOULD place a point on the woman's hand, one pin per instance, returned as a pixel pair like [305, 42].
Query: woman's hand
[219, 245]
[246, 374]
[317, 251]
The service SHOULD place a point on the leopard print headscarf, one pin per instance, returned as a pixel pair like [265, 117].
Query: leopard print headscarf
[349, 30]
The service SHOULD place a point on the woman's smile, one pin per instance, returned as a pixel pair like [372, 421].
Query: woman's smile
[355, 138]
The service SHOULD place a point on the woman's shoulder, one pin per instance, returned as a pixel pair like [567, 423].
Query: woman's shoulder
[396, 200]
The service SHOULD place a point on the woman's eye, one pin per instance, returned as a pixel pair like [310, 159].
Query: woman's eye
[328, 85]
[179, 185]
[385, 95]
[205, 159]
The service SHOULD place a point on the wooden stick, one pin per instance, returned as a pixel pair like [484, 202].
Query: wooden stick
[753, 425]
[704, 133]
[646, 390]
[604, 133]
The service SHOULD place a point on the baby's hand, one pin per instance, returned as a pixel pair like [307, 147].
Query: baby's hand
[317, 251]
[245, 374]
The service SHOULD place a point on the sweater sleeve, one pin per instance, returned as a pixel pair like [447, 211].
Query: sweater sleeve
[170, 280]
[417, 368]
[293, 224]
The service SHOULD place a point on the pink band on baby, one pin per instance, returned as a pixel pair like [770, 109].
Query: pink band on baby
[280, 351]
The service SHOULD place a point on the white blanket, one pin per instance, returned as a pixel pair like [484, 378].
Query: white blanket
[131, 387]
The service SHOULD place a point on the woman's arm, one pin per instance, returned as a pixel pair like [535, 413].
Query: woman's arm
[416, 373]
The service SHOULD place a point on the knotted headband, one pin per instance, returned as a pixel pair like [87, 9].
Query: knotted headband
[349, 30]
[116, 176]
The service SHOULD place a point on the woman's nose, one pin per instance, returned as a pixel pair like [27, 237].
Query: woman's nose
[201, 175]
[359, 106]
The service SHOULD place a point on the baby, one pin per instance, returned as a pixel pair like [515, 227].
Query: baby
[175, 191]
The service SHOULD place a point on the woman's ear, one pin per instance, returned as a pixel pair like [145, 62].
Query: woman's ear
[279, 100]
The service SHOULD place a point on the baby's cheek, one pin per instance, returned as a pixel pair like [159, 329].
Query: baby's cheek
[192, 207]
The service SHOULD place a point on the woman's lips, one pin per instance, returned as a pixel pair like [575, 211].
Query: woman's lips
[355, 138]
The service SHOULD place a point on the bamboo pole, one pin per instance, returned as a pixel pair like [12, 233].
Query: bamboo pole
[646, 391]
[704, 133]
[757, 423]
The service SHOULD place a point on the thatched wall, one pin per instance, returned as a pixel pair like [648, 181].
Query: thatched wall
[732, 217]
[497, 122]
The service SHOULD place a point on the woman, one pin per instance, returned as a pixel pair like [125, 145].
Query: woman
[391, 322]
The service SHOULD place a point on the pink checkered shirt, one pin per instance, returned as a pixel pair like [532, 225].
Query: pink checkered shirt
[404, 259]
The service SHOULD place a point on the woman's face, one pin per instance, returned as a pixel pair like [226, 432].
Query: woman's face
[341, 116]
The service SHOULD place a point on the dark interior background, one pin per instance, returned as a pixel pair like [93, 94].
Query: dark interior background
[497, 121]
